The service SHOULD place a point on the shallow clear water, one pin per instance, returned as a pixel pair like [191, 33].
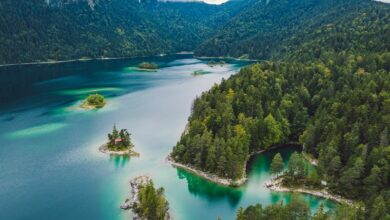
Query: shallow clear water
[50, 166]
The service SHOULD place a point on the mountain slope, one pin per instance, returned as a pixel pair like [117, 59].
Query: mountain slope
[265, 30]
[71, 29]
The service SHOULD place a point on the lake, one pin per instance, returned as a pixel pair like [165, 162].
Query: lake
[50, 166]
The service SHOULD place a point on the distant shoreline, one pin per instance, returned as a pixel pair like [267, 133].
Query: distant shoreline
[64, 61]
[119, 58]
[227, 58]
[90, 59]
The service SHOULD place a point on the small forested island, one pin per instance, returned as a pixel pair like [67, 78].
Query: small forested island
[213, 63]
[147, 202]
[94, 101]
[147, 66]
[119, 143]
[200, 72]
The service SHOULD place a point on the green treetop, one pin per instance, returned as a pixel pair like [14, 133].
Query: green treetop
[277, 164]
[119, 140]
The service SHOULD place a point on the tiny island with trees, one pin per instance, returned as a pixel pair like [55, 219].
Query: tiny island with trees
[213, 63]
[146, 201]
[94, 101]
[200, 72]
[148, 66]
[119, 143]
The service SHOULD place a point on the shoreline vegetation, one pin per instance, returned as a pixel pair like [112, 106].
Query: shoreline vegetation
[276, 184]
[64, 61]
[94, 101]
[301, 177]
[220, 180]
[209, 176]
[145, 201]
[89, 59]
[123, 58]
[227, 58]
[119, 143]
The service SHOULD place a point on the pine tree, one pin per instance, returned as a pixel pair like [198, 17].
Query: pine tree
[240, 214]
[321, 214]
[378, 210]
[277, 164]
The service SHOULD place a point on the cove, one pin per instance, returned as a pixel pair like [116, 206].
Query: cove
[52, 171]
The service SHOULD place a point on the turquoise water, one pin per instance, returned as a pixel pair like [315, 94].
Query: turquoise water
[50, 166]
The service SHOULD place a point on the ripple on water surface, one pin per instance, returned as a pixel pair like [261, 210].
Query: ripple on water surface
[37, 130]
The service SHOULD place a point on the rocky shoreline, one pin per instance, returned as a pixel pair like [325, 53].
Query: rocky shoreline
[275, 184]
[209, 176]
[133, 201]
[104, 149]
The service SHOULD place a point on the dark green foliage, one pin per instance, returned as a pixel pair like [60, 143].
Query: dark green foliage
[152, 203]
[297, 209]
[329, 90]
[119, 140]
[277, 164]
[35, 31]
[274, 29]
[297, 169]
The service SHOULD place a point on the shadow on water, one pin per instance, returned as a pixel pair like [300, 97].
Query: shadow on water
[120, 161]
[208, 190]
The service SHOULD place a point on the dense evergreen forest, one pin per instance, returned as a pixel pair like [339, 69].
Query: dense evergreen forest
[268, 29]
[328, 88]
[326, 84]
[41, 30]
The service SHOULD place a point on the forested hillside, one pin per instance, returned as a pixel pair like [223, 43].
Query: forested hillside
[36, 30]
[328, 87]
[268, 29]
